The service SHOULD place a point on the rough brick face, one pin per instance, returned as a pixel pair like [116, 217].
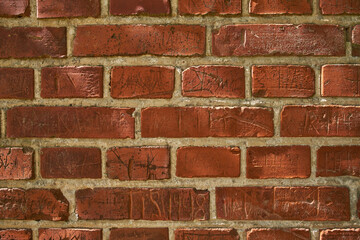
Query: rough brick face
[280, 7]
[17, 83]
[278, 162]
[14, 8]
[284, 40]
[18, 234]
[216, 7]
[68, 8]
[278, 234]
[214, 81]
[208, 162]
[57, 234]
[32, 42]
[207, 122]
[142, 82]
[139, 233]
[218, 233]
[135, 7]
[283, 203]
[72, 82]
[139, 163]
[16, 163]
[112, 40]
[343, 234]
[356, 41]
[142, 204]
[340, 6]
[70, 122]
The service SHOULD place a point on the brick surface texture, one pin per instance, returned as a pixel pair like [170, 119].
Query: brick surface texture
[179, 119]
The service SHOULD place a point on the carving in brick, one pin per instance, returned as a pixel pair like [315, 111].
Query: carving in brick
[139, 233]
[68, 8]
[278, 234]
[18, 234]
[69, 234]
[216, 7]
[17, 83]
[16, 163]
[135, 7]
[14, 8]
[356, 41]
[343, 234]
[139, 163]
[206, 233]
[340, 6]
[176, 204]
[280, 7]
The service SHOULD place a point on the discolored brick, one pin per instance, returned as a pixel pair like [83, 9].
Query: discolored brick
[14, 8]
[356, 41]
[139, 233]
[68, 8]
[69, 233]
[206, 233]
[280, 7]
[329, 7]
[16, 163]
[17, 83]
[136, 7]
[337, 234]
[16, 234]
[215, 7]
[278, 234]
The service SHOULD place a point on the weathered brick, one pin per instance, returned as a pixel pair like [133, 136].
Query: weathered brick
[136, 7]
[356, 41]
[280, 7]
[16, 163]
[338, 161]
[343, 234]
[215, 7]
[32, 42]
[166, 40]
[33, 204]
[69, 233]
[206, 233]
[138, 163]
[14, 8]
[340, 6]
[17, 83]
[16, 234]
[180, 122]
[72, 82]
[70, 122]
[214, 81]
[142, 82]
[283, 203]
[278, 234]
[283, 81]
[320, 121]
[139, 233]
[208, 162]
[70, 163]
[278, 162]
[279, 39]
[176, 204]
[340, 81]
[68, 8]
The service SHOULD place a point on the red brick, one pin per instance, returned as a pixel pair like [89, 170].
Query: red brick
[16, 163]
[33, 204]
[70, 163]
[176, 204]
[356, 41]
[340, 81]
[180, 122]
[138, 163]
[214, 81]
[72, 82]
[215, 7]
[338, 161]
[343, 234]
[139, 233]
[136, 7]
[283, 81]
[14, 8]
[71, 234]
[70, 122]
[142, 82]
[278, 162]
[283, 203]
[320, 121]
[18, 234]
[208, 162]
[68, 8]
[207, 233]
[278, 234]
[32, 42]
[340, 6]
[279, 39]
[280, 7]
[17, 83]
[166, 40]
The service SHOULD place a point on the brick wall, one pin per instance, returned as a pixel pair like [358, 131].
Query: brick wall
[180, 120]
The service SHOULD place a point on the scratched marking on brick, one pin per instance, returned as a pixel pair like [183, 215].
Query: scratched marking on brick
[206, 234]
[139, 233]
[343, 234]
[16, 234]
[17, 83]
[340, 6]
[70, 234]
[283, 203]
[16, 163]
[280, 7]
[278, 234]
[202, 7]
[183, 204]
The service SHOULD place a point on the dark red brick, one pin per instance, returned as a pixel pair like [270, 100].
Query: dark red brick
[208, 162]
[17, 83]
[206, 233]
[68, 8]
[176, 204]
[283, 81]
[278, 162]
[280, 7]
[72, 82]
[70, 122]
[180, 122]
[279, 40]
[70, 234]
[139, 233]
[340, 6]
[32, 42]
[215, 7]
[16, 234]
[214, 81]
[136, 7]
[16, 163]
[14, 8]
[70, 163]
[138, 163]
[320, 121]
[356, 41]
[283, 203]
[165, 40]
[278, 234]
[142, 82]
[343, 234]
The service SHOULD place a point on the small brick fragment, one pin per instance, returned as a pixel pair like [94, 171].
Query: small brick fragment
[69, 233]
[17, 83]
[14, 8]
[280, 7]
[278, 234]
[343, 234]
[215, 7]
[356, 41]
[207, 233]
[68, 8]
[16, 163]
[139, 233]
[16, 234]
[136, 7]
[331, 7]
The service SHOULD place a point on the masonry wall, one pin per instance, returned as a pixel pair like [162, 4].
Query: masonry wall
[181, 120]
